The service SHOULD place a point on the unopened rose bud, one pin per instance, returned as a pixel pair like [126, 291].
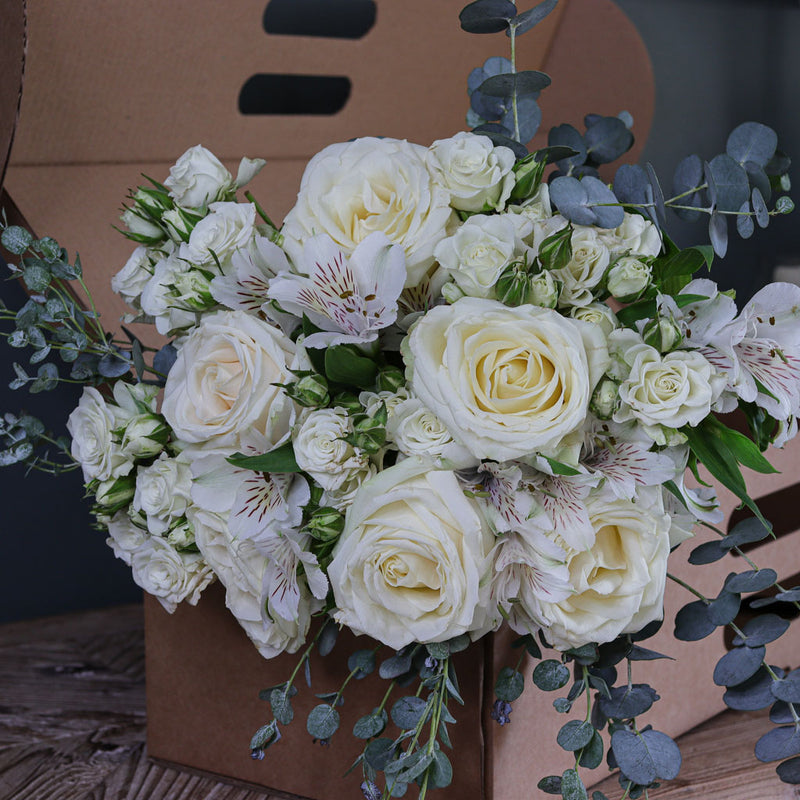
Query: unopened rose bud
[349, 402]
[555, 252]
[544, 290]
[140, 228]
[115, 492]
[181, 536]
[179, 225]
[311, 391]
[451, 292]
[369, 433]
[513, 284]
[152, 201]
[663, 334]
[144, 436]
[605, 399]
[194, 290]
[390, 379]
[628, 278]
[326, 524]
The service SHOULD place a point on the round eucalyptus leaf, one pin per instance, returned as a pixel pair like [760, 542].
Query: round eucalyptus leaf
[744, 222]
[36, 276]
[515, 83]
[529, 117]
[164, 359]
[592, 755]
[379, 752]
[752, 141]
[550, 784]
[572, 787]
[737, 665]
[693, 623]
[551, 675]
[789, 771]
[751, 581]
[708, 552]
[626, 703]
[647, 756]
[571, 198]
[630, 184]
[724, 608]
[607, 139]
[487, 16]
[408, 711]
[758, 179]
[788, 688]
[575, 735]
[730, 181]
[528, 19]
[281, 703]
[747, 531]
[568, 136]
[487, 107]
[762, 630]
[608, 216]
[779, 743]
[16, 239]
[760, 208]
[363, 661]
[718, 233]
[781, 713]
[323, 721]
[753, 694]
[509, 685]
[441, 774]
[396, 666]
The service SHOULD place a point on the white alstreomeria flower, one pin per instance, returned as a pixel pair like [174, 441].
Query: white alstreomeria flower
[351, 299]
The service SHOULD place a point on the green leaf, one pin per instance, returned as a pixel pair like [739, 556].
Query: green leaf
[281, 702]
[36, 276]
[408, 711]
[592, 754]
[323, 721]
[560, 468]
[684, 262]
[487, 16]
[509, 685]
[551, 675]
[281, 459]
[572, 787]
[575, 735]
[533, 16]
[510, 84]
[16, 240]
[441, 773]
[344, 364]
[370, 725]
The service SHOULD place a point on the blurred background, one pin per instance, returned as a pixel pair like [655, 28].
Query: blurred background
[715, 64]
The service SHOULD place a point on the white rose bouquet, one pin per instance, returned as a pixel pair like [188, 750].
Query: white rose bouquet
[457, 390]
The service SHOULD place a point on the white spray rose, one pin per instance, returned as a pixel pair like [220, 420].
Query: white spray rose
[221, 390]
[590, 257]
[598, 314]
[352, 189]
[507, 382]
[197, 178]
[619, 582]
[636, 236]
[91, 425]
[628, 278]
[321, 451]
[228, 228]
[479, 251]
[170, 576]
[130, 281]
[160, 299]
[409, 563]
[672, 390]
[162, 492]
[475, 172]
[124, 537]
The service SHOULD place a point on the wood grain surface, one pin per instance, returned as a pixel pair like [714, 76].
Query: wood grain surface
[72, 725]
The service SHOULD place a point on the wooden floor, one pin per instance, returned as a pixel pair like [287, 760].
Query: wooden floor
[72, 725]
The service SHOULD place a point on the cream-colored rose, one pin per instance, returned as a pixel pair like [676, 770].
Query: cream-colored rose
[91, 427]
[598, 314]
[170, 576]
[162, 491]
[410, 561]
[476, 255]
[351, 189]
[124, 537]
[506, 382]
[586, 268]
[475, 172]
[160, 300]
[228, 228]
[240, 568]
[130, 281]
[221, 390]
[197, 178]
[628, 278]
[320, 449]
[636, 236]
[672, 390]
[619, 582]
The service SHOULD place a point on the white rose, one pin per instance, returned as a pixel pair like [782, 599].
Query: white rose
[351, 189]
[140, 226]
[162, 492]
[222, 385]
[130, 281]
[586, 268]
[197, 178]
[628, 278]
[144, 437]
[479, 251]
[636, 236]
[536, 208]
[240, 568]
[159, 297]
[619, 582]
[507, 382]
[124, 537]
[673, 390]
[228, 228]
[475, 172]
[320, 449]
[598, 314]
[91, 426]
[170, 576]
[409, 563]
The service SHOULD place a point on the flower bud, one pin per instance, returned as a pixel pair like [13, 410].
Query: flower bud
[451, 292]
[181, 537]
[605, 399]
[194, 290]
[179, 225]
[555, 252]
[513, 284]
[544, 290]
[628, 278]
[115, 493]
[140, 228]
[311, 391]
[390, 379]
[369, 433]
[326, 524]
[349, 402]
[663, 334]
[144, 436]
[153, 202]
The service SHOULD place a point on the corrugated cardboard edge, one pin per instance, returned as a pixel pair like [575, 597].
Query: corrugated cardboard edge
[13, 35]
